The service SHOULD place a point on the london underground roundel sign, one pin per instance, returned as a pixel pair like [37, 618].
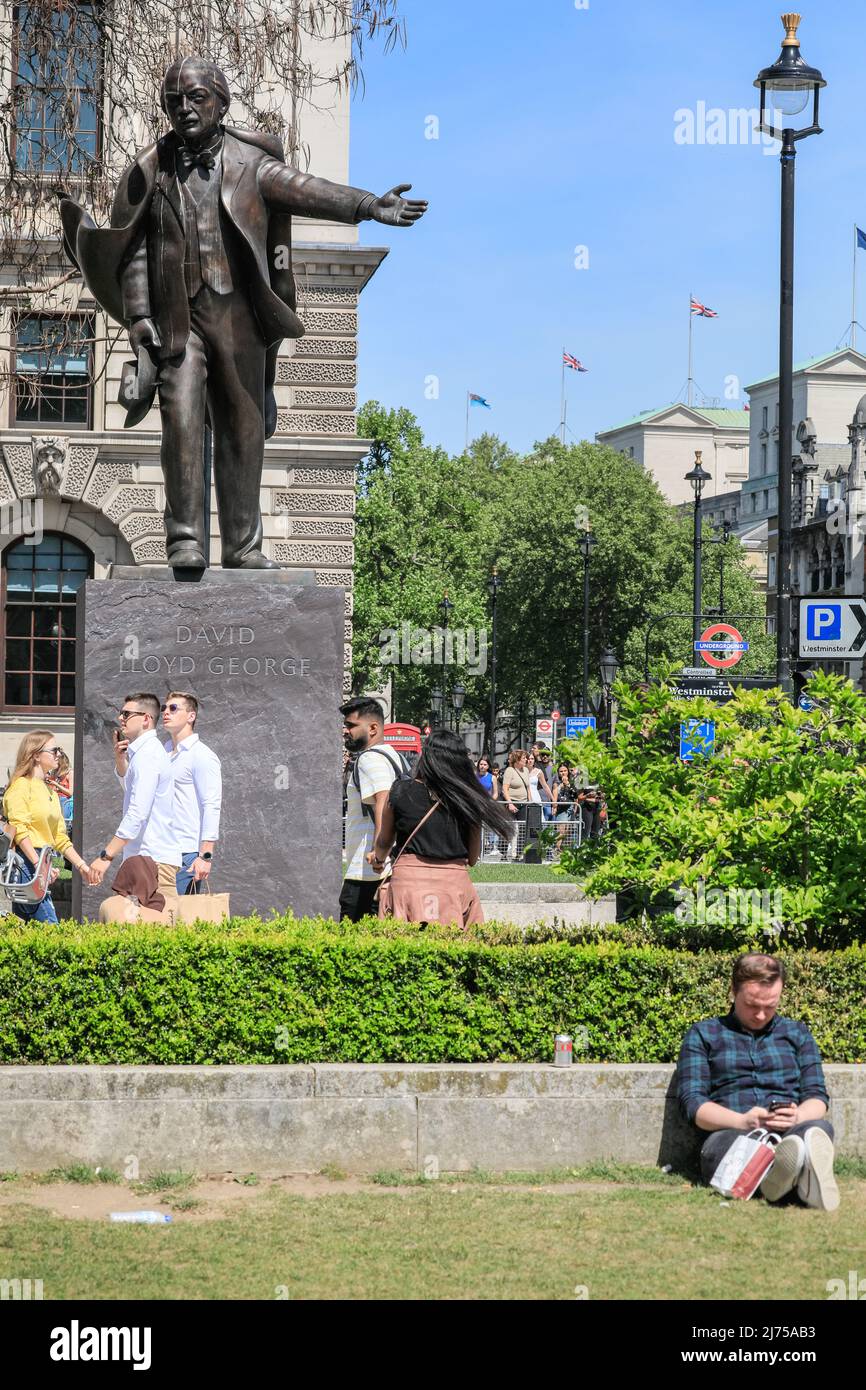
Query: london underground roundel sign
[721, 645]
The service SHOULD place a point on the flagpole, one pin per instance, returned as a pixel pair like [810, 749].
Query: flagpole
[466, 450]
[689, 387]
[562, 402]
[854, 294]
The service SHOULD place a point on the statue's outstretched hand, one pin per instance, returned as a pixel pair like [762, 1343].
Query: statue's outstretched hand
[143, 333]
[396, 211]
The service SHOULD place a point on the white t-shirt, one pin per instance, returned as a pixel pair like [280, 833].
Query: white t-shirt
[534, 793]
[375, 774]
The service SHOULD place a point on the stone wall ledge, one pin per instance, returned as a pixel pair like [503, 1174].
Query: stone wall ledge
[274, 1119]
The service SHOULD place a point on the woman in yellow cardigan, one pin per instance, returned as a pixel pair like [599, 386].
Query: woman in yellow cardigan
[33, 811]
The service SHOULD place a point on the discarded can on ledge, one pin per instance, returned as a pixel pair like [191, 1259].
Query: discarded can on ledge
[563, 1050]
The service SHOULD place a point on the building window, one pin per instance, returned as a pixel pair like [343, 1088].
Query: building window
[58, 85]
[771, 571]
[764, 455]
[38, 629]
[53, 371]
[814, 572]
[764, 418]
[826, 569]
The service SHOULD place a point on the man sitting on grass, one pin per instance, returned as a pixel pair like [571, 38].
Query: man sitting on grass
[754, 1069]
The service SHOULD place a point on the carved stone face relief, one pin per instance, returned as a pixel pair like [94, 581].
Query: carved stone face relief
[50, 452]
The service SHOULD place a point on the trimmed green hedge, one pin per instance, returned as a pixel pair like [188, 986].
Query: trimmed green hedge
[309, 990]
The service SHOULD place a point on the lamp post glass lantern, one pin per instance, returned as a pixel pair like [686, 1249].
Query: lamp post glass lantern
[698, 477]
[609, 668]
[788, 88]
[458, 695]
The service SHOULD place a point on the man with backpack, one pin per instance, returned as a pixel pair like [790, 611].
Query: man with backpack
[376, 768]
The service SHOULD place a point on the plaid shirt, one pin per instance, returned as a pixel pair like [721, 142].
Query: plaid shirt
[722, 1061]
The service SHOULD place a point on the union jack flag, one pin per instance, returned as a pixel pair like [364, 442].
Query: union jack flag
[572, 362]
[702, 311]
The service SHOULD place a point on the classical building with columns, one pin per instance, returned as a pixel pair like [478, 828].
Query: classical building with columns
[79, 493]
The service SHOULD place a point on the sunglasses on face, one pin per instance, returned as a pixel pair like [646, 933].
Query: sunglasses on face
[130, 714]
[55, 752]
[172, 709]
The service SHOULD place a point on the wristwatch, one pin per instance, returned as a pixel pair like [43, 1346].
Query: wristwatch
[207, 856]
[103, 854]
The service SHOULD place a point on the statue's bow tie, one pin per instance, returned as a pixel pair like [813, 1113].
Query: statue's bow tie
[189, 158]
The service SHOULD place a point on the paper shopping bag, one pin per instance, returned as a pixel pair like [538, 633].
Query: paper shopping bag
[746, 1164]
[202, 906]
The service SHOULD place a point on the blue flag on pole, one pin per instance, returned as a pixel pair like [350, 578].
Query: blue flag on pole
[479, 400]
[861, 240]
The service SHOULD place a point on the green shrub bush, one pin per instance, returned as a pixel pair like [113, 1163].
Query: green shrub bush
[292, 990]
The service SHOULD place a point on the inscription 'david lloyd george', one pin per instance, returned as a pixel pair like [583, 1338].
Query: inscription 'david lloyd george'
[202, 639]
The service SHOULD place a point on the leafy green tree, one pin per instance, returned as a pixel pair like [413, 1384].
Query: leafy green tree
[419, 535]
[641, 567]
[767, 832]
[429, 523]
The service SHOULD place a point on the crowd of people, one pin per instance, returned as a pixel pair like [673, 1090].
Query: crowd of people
[561, 792]
[172, 796]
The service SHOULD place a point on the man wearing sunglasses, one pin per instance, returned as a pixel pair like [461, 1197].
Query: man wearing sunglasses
[198, 788]
[147, 827]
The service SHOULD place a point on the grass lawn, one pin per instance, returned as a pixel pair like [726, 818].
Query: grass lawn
[637, 1235]
[519, 873]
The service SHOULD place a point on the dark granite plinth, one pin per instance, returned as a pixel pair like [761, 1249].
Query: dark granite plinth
[266, 662]
[166, 575]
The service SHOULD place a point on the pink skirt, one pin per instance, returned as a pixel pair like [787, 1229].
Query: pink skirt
[431, 890]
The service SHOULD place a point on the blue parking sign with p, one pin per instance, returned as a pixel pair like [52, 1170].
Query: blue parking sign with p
[824, 622]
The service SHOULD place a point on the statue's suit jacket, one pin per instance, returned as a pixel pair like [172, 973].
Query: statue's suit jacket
[134, 268]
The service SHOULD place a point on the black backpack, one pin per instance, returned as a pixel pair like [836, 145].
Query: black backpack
[403, 774]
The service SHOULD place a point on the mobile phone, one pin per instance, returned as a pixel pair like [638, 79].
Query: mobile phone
[780, 1105]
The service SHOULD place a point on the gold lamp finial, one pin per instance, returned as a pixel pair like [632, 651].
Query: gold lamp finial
[791, 23]
[698, 456]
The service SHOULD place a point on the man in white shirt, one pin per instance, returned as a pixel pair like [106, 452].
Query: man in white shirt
[198, 788]
[377, 767]
[147, 827]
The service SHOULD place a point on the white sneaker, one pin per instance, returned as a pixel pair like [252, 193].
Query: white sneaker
[790, 1155]
[817, 1185]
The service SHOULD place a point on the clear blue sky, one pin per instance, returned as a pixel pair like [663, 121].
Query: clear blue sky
[557, 130]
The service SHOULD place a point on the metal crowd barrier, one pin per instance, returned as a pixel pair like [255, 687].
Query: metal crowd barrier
[535, 839]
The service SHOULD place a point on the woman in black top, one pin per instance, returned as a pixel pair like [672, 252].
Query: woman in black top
[433, 823]
[564, 797]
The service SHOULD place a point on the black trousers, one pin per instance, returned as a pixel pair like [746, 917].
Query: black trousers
[222, 369]
[357, 899]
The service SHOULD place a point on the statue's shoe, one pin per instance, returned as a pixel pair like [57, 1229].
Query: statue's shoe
[187, 557]
[254, 560]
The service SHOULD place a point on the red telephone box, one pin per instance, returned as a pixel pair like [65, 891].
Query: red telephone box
[406, 738]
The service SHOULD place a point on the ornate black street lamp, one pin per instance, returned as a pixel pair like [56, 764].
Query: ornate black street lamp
[788, 88]
[445, 609]
[698, 477]
[493, 584]
[586, 545]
